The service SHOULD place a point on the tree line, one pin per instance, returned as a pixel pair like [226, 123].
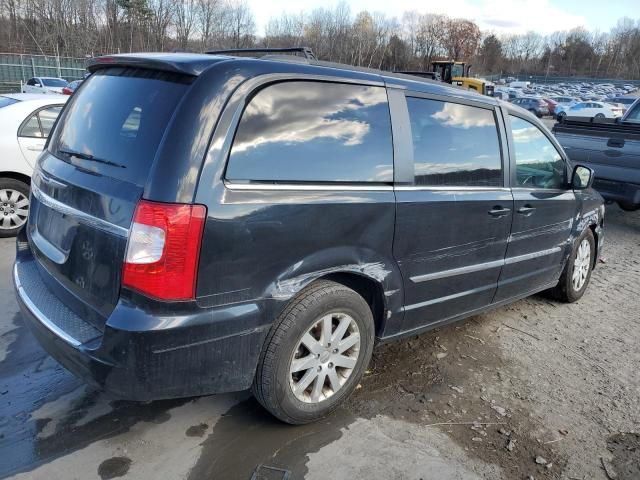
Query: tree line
[411, 41]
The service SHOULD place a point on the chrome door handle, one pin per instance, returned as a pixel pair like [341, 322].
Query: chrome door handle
[35, 149]
[526, 210]
[499, 211]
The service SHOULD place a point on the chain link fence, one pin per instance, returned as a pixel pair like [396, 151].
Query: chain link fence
[16, 69]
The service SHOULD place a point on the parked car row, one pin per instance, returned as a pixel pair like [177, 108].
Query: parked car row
[576, 99]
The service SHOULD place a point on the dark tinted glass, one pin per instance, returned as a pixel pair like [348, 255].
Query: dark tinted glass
[313, 131]
[120, 115]
[54, 82]
[454, 145]
[538, 163]
[634, 114]
[4, 101]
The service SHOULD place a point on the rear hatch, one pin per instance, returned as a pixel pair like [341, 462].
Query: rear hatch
[90, 179]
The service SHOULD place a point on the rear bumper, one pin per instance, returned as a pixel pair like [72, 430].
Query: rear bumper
[144, 356]
[618, 191]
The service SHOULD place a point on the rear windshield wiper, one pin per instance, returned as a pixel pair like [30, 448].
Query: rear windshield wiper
[87, 156]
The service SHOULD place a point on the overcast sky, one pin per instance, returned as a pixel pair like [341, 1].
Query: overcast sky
[501, 16]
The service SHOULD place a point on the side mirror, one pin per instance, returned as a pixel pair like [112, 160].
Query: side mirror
[582, 177]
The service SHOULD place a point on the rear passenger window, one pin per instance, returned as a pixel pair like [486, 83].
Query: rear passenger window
[47, 118]
[454, 144]
[314, 132]
[31, 128]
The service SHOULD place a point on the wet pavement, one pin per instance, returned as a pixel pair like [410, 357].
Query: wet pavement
[54, 426]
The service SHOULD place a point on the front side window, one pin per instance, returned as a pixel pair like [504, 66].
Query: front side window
[454, 144]
[538, 163]
[304, 131]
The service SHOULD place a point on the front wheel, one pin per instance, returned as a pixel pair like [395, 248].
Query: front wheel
[577, 272]
[315, 353]
[600, 115]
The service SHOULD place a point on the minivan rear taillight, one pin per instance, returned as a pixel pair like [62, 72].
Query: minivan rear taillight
[163, 250]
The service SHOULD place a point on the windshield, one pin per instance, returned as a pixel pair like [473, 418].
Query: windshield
[457, 70]
[54, 82]
[4, 101]
[118, 138]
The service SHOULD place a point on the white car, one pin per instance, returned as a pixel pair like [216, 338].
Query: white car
[46, 85]
[590, 110]
[25, 122]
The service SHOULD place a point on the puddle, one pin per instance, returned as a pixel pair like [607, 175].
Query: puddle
[114, 467]
[247, 437]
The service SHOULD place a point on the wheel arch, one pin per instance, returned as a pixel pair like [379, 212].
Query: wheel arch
[371, 290]
[17, 176]
[372, 281]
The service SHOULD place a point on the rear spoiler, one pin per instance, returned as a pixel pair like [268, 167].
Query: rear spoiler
[185, 64]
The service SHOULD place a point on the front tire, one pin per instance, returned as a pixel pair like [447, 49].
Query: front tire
[315, 353]
[14, 206]
[577, 272]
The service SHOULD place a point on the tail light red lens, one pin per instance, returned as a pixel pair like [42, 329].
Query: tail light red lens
[163, 250]
[67, 91]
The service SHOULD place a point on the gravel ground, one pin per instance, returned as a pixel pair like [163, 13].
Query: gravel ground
[537, 389]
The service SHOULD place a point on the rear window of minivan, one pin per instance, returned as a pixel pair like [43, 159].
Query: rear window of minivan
[116, 120]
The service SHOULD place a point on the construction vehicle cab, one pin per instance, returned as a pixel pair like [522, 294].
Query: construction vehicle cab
[458, 73]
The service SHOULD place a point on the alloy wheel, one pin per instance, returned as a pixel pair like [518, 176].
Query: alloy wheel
[581, 265]
[14, 209]
[324, 358]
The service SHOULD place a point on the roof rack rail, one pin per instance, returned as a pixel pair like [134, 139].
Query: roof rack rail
[305, 51]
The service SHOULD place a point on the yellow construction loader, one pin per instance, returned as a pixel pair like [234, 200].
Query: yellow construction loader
[458, 73]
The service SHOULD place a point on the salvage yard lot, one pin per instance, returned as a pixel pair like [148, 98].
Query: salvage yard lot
[537, 388]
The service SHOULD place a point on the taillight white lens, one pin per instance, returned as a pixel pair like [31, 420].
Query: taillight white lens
[146, 244]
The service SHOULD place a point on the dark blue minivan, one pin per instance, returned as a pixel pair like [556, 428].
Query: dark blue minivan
[213, 223]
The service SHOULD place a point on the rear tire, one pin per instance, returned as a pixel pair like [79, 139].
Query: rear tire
[599, 115]
[577, 271]
[298, 336]
[13, 209]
